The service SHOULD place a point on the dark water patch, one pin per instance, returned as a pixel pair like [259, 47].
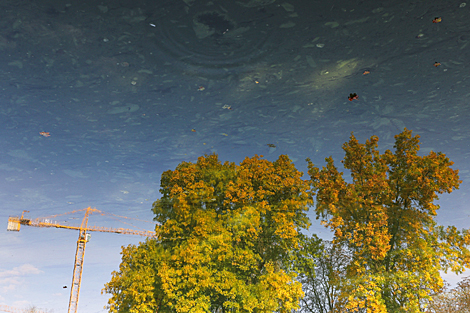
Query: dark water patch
[212, 41]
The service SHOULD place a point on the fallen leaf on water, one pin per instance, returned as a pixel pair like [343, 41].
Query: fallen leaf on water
[353, 96]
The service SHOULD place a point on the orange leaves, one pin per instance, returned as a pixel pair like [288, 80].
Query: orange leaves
[222, 225]
[228, 233]
[278, 291]
[386, 219]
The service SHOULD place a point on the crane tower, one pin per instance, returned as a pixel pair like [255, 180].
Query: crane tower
[14, 224]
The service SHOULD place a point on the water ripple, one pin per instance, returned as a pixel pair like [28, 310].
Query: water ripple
[215, 41]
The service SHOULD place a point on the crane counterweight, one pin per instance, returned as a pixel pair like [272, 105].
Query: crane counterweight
[13, 223]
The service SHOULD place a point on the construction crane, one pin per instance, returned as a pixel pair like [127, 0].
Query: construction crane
[14, 224]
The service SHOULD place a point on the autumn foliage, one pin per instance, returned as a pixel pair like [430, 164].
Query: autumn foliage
[225, 239]
[229, 236]
[385, 217]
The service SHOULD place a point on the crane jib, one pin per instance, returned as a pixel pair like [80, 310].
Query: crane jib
[15, 222]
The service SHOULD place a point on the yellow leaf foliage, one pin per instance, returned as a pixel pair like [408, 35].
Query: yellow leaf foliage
[385, 217]
[135, 287]
[226, 233]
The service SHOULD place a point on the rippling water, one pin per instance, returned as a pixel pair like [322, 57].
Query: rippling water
[129, 89]
[215, 41]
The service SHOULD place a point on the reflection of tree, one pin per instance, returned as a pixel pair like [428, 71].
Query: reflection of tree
[456, 300]
[386, 219]
[34, 309]
[322, 267]
[226, 237]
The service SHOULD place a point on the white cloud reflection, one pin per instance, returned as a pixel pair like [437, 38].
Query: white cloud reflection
[11, 279]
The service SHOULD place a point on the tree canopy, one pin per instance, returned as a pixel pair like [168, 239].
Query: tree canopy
[229, 236]
[386, 218]
[226, 237]
[136, 287]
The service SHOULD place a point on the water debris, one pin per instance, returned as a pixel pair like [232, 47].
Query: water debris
[45, 134]
[255, 3]
[353, 96]
[124, 109]
[288, 7]
[289, 24]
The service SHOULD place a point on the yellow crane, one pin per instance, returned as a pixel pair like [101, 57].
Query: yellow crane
[14, 224]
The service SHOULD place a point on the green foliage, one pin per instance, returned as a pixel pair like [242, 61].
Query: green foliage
[226, 238]
[136, 287]
[385, 217]
[229, 236]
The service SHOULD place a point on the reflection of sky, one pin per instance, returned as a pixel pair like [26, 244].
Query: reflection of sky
[117, 87]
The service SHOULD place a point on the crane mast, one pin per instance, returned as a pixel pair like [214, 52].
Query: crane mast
[78, 266]
[14, 224]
